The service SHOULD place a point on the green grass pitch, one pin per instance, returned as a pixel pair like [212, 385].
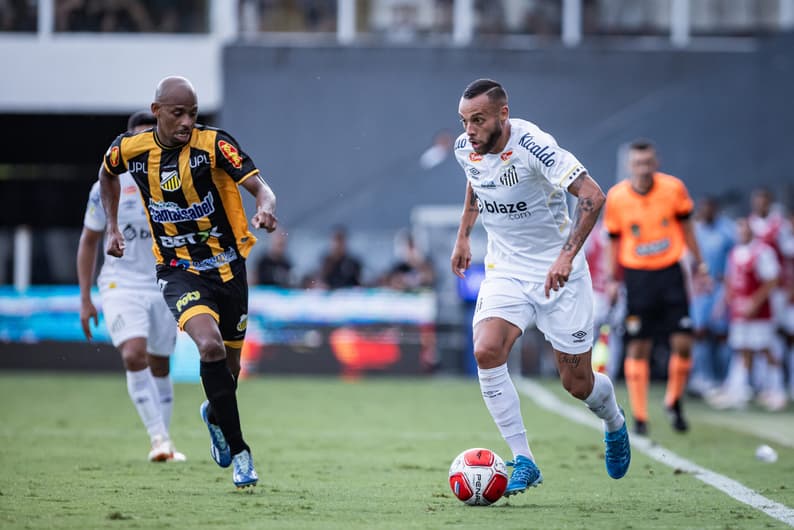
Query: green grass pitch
[372, 453]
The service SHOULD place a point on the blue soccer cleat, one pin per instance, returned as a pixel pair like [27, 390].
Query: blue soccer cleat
[525, 475]
[219, 449]
[244, 473]
[618, 451]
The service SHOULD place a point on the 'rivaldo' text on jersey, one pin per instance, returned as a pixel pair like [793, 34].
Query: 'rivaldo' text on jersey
[192, 201]
[521, 195]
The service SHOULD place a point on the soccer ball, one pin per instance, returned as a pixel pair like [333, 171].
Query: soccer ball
[478, 477]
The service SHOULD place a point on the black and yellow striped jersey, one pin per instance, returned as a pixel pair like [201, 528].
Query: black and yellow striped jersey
[191, 197]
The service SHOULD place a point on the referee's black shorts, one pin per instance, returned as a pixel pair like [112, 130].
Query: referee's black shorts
[188, 294]
[657, 302]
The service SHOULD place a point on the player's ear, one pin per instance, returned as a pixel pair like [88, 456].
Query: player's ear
[155, 107]
[504, 113]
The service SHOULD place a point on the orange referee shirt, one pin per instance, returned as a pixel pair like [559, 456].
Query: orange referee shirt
[649, 226]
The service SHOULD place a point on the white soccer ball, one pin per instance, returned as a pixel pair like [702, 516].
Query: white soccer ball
[478, 477]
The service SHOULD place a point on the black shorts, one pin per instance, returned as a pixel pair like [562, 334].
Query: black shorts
[189, 294]
[657, 302]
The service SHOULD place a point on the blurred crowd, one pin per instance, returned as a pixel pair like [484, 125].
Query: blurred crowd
[339, 268]
[395, 20]
[750, 290]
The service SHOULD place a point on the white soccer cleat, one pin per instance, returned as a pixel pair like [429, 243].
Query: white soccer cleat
[176, 456]
[729, 399]
[162, 449]
[772, 401]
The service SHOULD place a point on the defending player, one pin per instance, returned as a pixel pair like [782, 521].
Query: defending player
[517, 178]
[137, 317]
[188, 175]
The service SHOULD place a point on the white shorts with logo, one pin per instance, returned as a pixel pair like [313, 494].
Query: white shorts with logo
[132, 314]
[565, 318]
[752, 335]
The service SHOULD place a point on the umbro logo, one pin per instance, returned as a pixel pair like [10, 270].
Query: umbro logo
[579, 336]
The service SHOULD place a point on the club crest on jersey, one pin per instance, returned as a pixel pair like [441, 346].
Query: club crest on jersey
[231, 154]
[509, 177]
[114, 155]
[475, 157]
[170, 180]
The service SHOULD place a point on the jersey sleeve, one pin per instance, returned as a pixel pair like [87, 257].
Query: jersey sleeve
[767, 265]
[683, 204]
[233, 160]
[114, 162]
[612, 215]
[94, 218]
[542, 154]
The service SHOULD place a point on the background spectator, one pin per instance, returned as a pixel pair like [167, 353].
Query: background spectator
[339, 268]
[275, 268]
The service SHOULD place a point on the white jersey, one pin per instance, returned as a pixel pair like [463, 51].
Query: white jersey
[521, 195]
[135, 270]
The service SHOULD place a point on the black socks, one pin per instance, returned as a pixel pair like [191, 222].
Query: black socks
[220, 386]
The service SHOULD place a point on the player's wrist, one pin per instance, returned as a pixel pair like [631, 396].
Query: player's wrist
[702, 267]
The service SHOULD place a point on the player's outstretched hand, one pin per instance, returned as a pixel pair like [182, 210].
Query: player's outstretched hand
[264, 220]
[461, 258]
[115, 243]
[558, 275]
[88, 312]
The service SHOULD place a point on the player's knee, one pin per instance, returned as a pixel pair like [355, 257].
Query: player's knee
[488, 356]
[134, 359]
[210, 348]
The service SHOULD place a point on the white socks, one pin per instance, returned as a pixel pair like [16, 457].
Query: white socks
[502, 401]
[165, 388]
[603, 403]
[144, 395]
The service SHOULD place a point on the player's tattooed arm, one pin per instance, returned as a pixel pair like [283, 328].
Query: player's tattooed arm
[470, 213]
[461, 254]
[591, 200]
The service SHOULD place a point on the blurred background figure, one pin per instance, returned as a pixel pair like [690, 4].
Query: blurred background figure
[610, 305]
[17, 15]
[438, 152]
[339, 268]
[710, 355]
[412, 270]
[787, 325]
[275, 267]
[768, 223]
[752, 275]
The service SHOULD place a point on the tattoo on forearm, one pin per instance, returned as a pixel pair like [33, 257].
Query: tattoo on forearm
[468, 231]
[473, 199]
[584, 219]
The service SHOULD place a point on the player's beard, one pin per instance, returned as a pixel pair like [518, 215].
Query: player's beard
[489, 144]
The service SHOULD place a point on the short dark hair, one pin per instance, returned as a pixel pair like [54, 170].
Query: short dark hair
[142, 117]
[641, 144]
[494, 90]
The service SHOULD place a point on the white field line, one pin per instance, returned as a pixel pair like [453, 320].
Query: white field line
[734, 489]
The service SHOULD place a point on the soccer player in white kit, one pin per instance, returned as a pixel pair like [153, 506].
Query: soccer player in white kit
[517, 178]
[137, 317]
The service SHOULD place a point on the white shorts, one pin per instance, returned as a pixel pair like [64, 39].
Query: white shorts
[565, 318]
[133, 314]
[752, 335]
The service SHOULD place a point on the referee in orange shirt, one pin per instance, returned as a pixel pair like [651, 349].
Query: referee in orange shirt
[648, 220]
